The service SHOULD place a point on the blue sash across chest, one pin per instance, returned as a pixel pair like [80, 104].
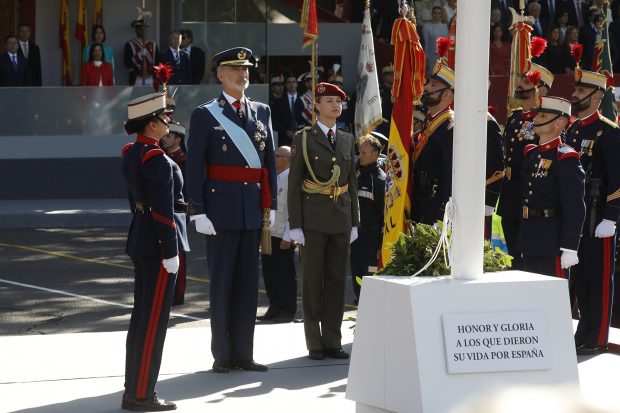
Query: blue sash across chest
[237, 134]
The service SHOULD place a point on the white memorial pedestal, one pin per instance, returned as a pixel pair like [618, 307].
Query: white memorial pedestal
[427, 344]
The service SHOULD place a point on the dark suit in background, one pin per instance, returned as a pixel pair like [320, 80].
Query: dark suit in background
[181, 71]
[197, 64]
[34, 63]
[573, 13]
[14, 77]
[287, 120]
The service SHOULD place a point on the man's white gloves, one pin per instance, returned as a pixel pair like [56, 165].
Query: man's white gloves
[568, 258]
[297, 235]
[605, 228]
[203, 224]
[171, 264]
[353, 235]
[488, 210]
[272, 218]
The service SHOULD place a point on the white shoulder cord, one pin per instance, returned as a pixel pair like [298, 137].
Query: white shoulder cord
[444, 241]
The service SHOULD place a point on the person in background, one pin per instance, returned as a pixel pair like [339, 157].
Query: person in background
[288, 112]
[385, 92]
[196, 56]
[152, 244]
[432, 31]
[32, 54]
[572, 37]
[177, 59]
[276, 89]
[13, 65]
[279, 267]
[562, 24]
[499, 53]
[556, 55]
[96, 71]
[371, 198]
[98, 35]
[140, 55]
[174, 145]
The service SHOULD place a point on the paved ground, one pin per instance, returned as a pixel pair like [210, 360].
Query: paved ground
[65, 297]
[63, 271]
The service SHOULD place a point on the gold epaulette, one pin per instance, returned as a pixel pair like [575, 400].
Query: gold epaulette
[609, 122]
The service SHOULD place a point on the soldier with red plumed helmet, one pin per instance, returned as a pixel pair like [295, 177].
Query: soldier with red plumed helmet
[597, 139]
[518, 132]
[552, 191]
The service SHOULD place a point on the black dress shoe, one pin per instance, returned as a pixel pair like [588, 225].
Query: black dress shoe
[269, 315]
[590, 351]
[126, 401]
[336, 353]
[220, 367]
[316, 355]
[178, 301]
[152, 404]
[250, 365]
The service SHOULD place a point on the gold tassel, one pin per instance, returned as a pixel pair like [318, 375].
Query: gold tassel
[265, 236]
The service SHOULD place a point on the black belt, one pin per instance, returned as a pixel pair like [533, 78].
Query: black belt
[529, 213]
[143, 207]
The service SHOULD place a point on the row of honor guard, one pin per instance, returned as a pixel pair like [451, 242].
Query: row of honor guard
[559, 200]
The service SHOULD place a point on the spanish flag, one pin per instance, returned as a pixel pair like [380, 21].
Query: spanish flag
[409, 67]
[520, 56]
[80, 25]
[309, 22]
[98, 12]
[65, 43]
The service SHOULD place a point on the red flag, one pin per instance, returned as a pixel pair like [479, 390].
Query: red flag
[409, 67]
[65, 43]
[80, 25]
[98, 12]
[309, 22]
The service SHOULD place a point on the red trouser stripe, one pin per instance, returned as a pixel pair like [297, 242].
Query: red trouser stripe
[147, 350]
[559, 271]
[602, 335]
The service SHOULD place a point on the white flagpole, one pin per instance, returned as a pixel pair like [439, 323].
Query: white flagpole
[470, 109]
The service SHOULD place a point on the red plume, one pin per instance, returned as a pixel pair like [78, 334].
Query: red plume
[538, 46]
[162, 73]
[534, 77]
[443, 44]
[576, 50]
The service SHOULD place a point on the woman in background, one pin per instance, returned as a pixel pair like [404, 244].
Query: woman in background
[97, 72]
[98, 36]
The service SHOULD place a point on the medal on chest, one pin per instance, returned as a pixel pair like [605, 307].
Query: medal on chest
[526, 132]
[542, 169]
[586, 147]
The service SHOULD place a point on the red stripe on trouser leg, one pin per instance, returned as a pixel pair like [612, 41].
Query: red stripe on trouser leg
[559, 271]
[602, 335]
[147, 350]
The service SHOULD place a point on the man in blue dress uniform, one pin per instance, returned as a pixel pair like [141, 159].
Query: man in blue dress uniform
[552, 191]
[232, 195]
[157, 232]
[597, 139]
[519, 132]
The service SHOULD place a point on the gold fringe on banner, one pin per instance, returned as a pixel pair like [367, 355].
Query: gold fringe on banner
[265, 236]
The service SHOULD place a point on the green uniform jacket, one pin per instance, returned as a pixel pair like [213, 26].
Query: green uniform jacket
[318, 212]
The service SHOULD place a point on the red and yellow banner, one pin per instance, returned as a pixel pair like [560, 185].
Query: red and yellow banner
[520, 56]
[309, 22]
[98, 12]
[80, 25]
[409, 67]
[65, 43]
